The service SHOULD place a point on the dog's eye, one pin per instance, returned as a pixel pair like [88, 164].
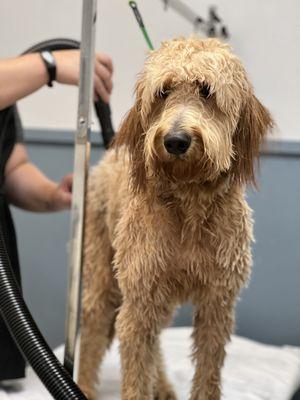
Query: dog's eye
[164, 93]
[204, 90]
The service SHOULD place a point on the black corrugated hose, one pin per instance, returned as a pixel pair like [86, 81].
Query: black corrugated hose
[28, 337]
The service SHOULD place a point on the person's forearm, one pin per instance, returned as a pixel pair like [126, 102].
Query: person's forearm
[21, 76]
[28, 188]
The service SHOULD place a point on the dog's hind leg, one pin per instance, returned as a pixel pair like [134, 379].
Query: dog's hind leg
[163, 390]
[98, 331]
[213, 324]
[101, 297]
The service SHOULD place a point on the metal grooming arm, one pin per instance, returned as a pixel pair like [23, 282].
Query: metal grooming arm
[81, 164]
[209, 26]
[183, 10]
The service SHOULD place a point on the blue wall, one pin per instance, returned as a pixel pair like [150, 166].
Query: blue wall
[268, 310]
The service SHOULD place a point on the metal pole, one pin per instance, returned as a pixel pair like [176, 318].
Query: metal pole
[81, 164]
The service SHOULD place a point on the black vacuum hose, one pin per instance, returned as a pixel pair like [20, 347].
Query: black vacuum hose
[102, 109]
[28, 337]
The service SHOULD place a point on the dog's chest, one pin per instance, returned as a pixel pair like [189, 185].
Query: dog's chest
[184, 242]
[200, 230]
[195, 229]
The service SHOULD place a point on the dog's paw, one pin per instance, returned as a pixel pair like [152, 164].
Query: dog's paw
[91, 394]
[165, 394]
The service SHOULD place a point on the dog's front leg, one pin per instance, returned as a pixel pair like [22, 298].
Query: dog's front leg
[138, 325]
[163, 390]
[213, 324]
[143, 253]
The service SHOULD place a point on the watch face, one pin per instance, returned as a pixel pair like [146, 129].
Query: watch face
[48, 56]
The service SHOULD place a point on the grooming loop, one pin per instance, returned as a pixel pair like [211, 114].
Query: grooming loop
[81, 162]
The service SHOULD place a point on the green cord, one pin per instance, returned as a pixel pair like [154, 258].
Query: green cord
[139, 19]
[146, 36]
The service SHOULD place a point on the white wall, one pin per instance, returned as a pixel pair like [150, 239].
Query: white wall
[266, 35]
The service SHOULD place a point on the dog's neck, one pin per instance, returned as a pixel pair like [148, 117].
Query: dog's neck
[187, 196]
[185, 192]
[192, 205]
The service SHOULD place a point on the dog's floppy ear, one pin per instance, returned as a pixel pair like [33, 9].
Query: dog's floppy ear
[130, 130]
[254, 123]
[131, 135]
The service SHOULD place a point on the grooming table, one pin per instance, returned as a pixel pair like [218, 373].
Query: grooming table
[252, 371]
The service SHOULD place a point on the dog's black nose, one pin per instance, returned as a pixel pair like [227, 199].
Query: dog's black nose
[177, 143]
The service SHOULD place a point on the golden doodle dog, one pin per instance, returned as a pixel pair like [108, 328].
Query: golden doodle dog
[167, 220]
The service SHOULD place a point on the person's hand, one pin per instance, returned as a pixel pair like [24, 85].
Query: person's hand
[68, 69]
[61, 195]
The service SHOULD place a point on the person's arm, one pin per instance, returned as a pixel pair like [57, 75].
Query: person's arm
[23, 75]
[28, 188]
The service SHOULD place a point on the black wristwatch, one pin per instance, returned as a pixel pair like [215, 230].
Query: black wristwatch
[50, 64]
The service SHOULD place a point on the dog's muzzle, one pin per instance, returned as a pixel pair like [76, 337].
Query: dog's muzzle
[177, 143]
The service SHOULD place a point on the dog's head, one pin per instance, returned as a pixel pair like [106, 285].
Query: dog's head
[196, 118]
